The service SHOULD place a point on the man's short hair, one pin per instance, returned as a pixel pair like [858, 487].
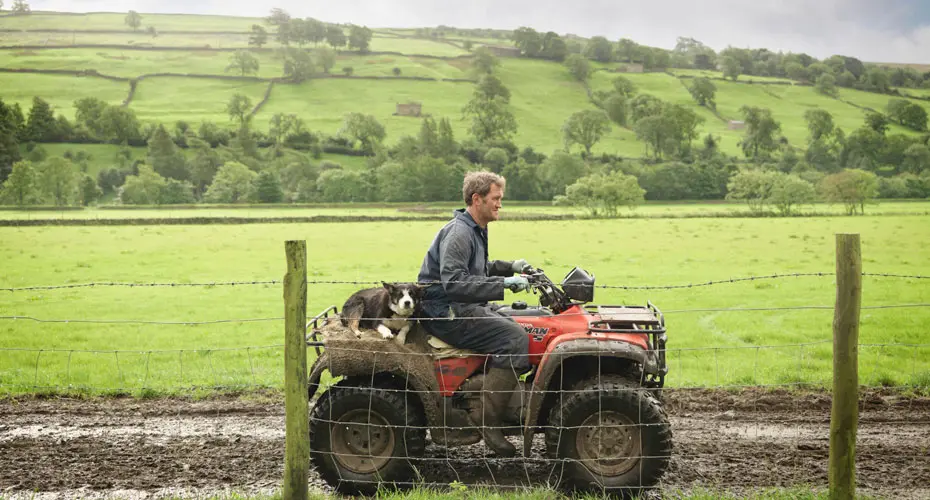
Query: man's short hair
[480, 183]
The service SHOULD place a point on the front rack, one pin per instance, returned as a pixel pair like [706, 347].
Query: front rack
[314, 324]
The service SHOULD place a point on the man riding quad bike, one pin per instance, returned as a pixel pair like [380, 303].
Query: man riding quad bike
[596, 372]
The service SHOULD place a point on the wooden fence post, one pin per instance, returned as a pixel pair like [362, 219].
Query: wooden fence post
[297, 438]
[845, 412]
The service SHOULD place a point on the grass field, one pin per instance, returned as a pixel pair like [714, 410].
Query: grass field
[115, 21]
[649, 210]
[169, 99]
[708, 348]
[59, 91]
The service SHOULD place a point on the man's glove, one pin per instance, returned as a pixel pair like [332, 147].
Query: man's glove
[518, 265]
[517, 283]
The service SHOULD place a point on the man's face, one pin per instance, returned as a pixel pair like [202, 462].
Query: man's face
[489, 205]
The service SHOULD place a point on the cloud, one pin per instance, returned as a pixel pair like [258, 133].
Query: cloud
[887, 31]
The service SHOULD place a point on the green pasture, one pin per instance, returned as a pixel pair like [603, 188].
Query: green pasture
[116, 21]
[878, 102]
[414, 46]
[650, 210]
[718, 74]
[59, 91]
[138, 39]
[324, 103]
[383, 65]
[543, 102]
[169, 99]
[132, 63]
[707, 348]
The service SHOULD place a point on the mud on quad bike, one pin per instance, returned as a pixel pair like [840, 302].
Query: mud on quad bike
[593, 390]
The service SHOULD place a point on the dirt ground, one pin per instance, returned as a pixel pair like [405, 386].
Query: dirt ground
[131, 448]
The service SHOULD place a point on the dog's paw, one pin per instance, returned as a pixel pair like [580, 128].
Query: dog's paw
[358, 334]
[385, 332]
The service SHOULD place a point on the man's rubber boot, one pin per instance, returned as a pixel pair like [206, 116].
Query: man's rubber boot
[498, 387]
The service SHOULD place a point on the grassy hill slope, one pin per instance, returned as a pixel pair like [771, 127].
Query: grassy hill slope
[543, 93]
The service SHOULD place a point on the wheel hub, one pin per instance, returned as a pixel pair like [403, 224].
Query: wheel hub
[609, 443]
[362, 441]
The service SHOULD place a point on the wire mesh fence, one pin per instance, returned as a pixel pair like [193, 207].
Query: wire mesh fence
[728, 416]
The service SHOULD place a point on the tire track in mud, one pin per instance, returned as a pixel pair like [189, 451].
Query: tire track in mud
[146, 448]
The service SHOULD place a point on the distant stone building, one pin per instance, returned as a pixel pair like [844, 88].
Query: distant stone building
[736, 125]
[630, 68]
[503, 51]
[408, 109]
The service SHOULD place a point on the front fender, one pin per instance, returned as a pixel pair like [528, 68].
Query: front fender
[555, 356]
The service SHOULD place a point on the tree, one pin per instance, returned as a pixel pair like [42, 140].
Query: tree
[40, 127]
[553, 47]
[363, 128]
[239, 108]
[916, 159]
[877, 122]
[359, 38]
[616, 108]
[484, 62]
[231, 184]
[22, 186]
[703, 91]
[731, 68]
[176, 192]
[142, 189]
[796, 71]
[819, 123]
[335, 37]
[528, 41]
[327, 58]
[165, 158]
[560, 171]
[151, 31]
[119, 125]
[495, 159]
[258, 37]
[133, 20]
[396, 71]
[826, 85]
[9, 143]
[491, 118]
[298, 64]
[645, 105]
[266, 188]
[338, 185]
[585, 128]
[908, 114]
[761, 128]
[655, 131]
[578, 66]
[490, 86]
[58, 180]
[446, 147]
[243, 62]
[278, 17]
[599, 49]
[752, 186]
[627, 48]
[21, 8]
[89, 190]
[623, 86]
[788, 191]
[603, 193]
[851, 187]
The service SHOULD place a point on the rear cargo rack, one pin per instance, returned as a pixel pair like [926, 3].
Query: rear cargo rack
[314, 324]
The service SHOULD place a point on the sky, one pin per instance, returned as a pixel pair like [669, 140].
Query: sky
[871, 30]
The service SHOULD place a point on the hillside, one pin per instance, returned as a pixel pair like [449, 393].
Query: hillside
[199, 47]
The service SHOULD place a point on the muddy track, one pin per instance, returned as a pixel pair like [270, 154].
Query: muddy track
[149, 448]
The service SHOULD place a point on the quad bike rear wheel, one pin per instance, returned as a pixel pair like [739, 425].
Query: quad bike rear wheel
[365, 437]
[612, 435]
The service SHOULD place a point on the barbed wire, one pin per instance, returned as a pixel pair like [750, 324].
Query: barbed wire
[421, 319]
[378, 282]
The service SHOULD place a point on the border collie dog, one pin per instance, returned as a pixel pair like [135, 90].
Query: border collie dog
[386, 309]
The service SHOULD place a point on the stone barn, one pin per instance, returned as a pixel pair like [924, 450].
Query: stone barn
[630, 68]
[503, 51]
[408, 109]
[736, 125]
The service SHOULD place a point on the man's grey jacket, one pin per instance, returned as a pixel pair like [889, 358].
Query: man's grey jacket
[462, 280]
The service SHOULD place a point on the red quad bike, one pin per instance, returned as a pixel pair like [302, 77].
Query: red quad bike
[593, 390]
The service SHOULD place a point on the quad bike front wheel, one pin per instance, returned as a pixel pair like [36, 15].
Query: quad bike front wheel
[365, 437]
[611, 435]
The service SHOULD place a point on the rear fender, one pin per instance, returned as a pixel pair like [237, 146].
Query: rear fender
[582, 346]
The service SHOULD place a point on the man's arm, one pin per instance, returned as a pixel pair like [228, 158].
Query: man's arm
[460, 286]
[500, 268]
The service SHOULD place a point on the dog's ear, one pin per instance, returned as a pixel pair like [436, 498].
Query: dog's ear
[388, 286]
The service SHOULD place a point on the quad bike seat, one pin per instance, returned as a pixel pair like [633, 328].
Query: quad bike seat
[443, 350]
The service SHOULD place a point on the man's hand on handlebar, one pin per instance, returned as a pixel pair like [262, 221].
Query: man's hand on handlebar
[520, 266]
[517, 283]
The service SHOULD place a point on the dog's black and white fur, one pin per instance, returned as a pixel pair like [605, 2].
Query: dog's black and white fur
[395, 303]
